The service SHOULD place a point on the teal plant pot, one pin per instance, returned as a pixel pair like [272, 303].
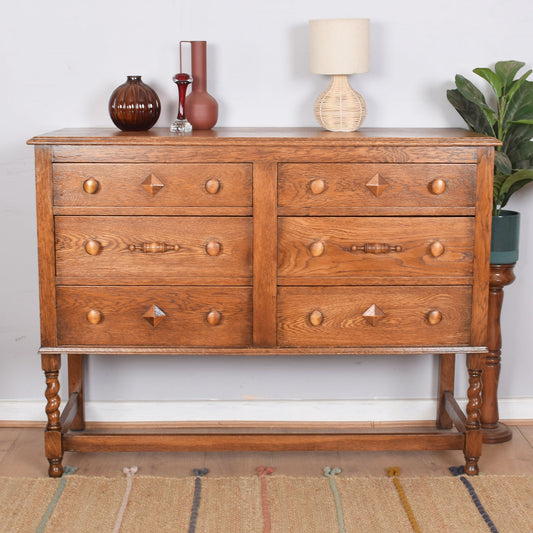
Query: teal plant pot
[505, 238]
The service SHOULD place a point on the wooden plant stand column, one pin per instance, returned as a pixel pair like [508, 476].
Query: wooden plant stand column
[494, 431]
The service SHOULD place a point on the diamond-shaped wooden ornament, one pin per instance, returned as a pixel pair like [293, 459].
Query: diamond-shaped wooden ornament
[152, 185]
[154, 315]
[377, 184]
[373, 314]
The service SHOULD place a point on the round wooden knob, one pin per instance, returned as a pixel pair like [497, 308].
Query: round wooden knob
[436, 249]
[317, 186]
[94, 317]
[93, 247]
[91, 186]
[213, 248]
[214, 317]
[316, 318]
[317, 248]
[212, 186]
[434, 317]
[437, 186]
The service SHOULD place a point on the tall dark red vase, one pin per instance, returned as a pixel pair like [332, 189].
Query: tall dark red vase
[134, 106]
[201, 109]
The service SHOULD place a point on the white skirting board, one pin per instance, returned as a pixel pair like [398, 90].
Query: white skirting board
[381, 410]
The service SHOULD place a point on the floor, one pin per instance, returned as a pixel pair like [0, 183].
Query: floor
[22, 454]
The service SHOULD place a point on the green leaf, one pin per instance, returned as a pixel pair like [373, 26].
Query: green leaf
[522, 121]
[521, 155]
[474, 95]
[506, 71]
[514, 183]
[502, 162]
[521, 178]
[471, 113]
[498, 182]
[520, 106]
[492, 78]
[516, 84]
[516, 136]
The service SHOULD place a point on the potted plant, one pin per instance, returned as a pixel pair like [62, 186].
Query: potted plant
[507, 115]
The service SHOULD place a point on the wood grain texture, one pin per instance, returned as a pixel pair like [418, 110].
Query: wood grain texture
[264, 242]
[265, 251]
[260, 150]
[76, 386]
[264, 442]
[293, 351]
[115, 261]
[298, 236]
[185, 185]
[185, 324]
[482, 232]
[494, 432]
[269, 137]
[46, 244]
[405, 317]
[446, 386]
[346, 185]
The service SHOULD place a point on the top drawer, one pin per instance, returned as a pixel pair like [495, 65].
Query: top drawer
[385, 185]
[153, 185]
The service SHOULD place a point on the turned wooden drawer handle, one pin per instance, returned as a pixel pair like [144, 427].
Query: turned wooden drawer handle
[91, 186]
[94, 317]
[214, 317]
[436, 249]
[317, 248]
[317, 186]
[376, 248]
[316, 318]
[213, 248]
[93, 247]
[154, 247]
[434, 317]
[437, 186]
[212, 186]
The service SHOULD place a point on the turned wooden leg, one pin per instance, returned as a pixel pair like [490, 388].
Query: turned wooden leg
[51, 363]
[75, 385]
[446, 384]
[474, 435]
[493, 430]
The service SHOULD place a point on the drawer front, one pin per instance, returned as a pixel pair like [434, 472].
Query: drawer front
[154, 316]
[376, 185]
[158, 249]
[143, 185]
[374, 316]
[373, 247]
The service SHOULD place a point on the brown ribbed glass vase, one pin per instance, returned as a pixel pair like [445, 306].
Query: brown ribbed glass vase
[134, 106]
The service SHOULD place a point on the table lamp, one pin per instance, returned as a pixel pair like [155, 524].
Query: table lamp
[339, 47]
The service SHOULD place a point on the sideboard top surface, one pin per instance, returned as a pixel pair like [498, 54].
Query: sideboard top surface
[268, 136]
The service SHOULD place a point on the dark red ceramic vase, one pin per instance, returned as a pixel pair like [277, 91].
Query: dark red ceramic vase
[201, 109]
[134, 106]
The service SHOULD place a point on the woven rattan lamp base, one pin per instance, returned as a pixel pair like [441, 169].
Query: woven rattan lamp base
[339, 107]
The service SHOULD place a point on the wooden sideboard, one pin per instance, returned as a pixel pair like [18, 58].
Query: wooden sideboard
[264, 241]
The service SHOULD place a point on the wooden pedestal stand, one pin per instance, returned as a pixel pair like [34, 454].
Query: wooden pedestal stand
[494, 431]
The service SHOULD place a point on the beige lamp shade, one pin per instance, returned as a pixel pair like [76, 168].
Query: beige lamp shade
[339, 46]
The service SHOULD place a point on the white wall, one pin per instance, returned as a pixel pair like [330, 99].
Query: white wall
[60, 62]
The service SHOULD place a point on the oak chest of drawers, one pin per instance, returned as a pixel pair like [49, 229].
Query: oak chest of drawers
[250, 241]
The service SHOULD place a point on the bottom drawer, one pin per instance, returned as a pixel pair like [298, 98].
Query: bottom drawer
[374, 316]
[154, 316]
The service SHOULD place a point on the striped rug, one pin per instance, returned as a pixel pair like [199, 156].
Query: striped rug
[268, 502]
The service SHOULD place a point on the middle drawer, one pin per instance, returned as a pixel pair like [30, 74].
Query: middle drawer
[153, 250]
[376, 248]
